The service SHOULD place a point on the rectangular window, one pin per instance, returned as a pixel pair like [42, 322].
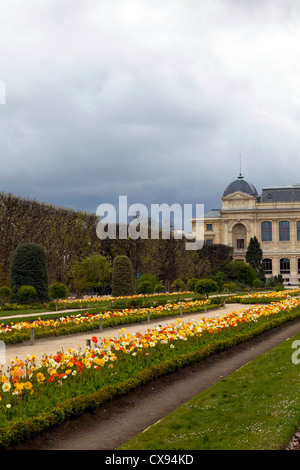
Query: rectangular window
[285, 266]
[284, 231]
[240, 244]
[298, 230]
[208, 226]
[209, 242]
[267, 263]
[266, 231]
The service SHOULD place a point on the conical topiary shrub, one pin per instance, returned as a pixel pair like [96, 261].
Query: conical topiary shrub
[28, 267]
[122, 277]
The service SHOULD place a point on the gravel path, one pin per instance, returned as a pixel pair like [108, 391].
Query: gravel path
[56, 343]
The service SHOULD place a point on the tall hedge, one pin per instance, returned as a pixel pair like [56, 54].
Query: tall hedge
[122, 277]
[29, 267]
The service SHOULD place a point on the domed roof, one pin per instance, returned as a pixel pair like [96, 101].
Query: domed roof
[240, 185]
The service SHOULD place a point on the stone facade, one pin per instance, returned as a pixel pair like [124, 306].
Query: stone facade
[273, 217]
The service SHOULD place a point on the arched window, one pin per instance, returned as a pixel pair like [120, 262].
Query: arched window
[285, 266]
[239, 237]
[267, 263]
[284, 230]
[266, 231]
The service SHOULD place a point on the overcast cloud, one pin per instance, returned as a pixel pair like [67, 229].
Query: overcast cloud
[151, 99]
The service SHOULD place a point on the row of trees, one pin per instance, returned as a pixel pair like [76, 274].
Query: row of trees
[67, 235]
[246, 274]
[221, 272]
[29, 275]
[168, 259]
[77, 258]
[94, 274]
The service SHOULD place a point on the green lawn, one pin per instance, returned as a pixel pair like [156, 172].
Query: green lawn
[91, 306]
[95, 307]
[255, 408]
[32, 314]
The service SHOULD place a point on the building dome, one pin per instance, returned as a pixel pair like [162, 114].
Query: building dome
[240, 185]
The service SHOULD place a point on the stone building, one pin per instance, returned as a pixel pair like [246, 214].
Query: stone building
[273, 217]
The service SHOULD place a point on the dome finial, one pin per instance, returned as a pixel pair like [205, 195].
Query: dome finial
[240, 177]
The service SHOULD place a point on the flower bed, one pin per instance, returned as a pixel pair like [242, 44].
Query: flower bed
[66, 384]
[100, 301]
[72, 301]
[265, 297]
[16, 332]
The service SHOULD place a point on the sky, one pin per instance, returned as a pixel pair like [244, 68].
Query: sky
[155, 100]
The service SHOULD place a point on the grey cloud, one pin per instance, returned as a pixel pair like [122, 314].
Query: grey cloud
[155, 100]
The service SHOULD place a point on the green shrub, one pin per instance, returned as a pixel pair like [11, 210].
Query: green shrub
[274, 281]
[240, 272]
[191, 284]
[150, 279]
[144, 287]
[9, 307]
[279, 288]
[5, 293]
[205, 286]
[120, 304]
[58, 291]
[257, 283]
[219, 279]
[158, 288]
[26, 294]
[135, 303]
[179, 285]
[28, 267]
[122, 277]
[230, 286]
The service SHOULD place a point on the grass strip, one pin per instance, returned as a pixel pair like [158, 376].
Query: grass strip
[255, 408]
[105, 303]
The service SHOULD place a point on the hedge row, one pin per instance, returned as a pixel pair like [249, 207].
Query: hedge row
[261, 300]
[74, 407]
